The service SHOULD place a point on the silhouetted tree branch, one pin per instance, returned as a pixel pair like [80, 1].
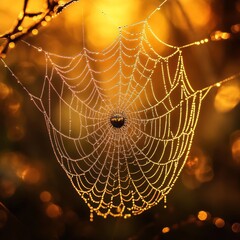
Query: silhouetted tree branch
[18, 31]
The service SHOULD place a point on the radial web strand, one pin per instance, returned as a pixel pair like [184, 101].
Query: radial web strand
[121, 121]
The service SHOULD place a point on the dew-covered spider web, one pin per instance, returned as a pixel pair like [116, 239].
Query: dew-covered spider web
[121, 121]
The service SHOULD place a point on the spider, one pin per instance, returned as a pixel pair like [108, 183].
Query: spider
[117, 120]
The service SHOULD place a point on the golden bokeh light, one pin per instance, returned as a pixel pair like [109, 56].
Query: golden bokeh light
[165, 230]
[235, 28]
[20, 28]
[236, 150]
[11, 45]
[48, 18]
[105, 17]
[219, 222]
[44, 23]
[227, 98]
[236, 227]
[235, 146]
[226, 35]
[16, 170]
[101, 20]
[35, 32]
[5, 91]
[31, 175]
[197, 13]
[202, 215]
[53, 211]
[219, 35]
[197, 170]
[45, 196]
[192, 164]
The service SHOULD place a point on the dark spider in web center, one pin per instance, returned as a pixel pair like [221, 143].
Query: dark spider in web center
[117, 120]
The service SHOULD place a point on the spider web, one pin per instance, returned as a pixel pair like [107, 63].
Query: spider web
[120, 171]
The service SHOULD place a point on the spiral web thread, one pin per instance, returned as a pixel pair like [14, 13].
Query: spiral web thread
[120, 171]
